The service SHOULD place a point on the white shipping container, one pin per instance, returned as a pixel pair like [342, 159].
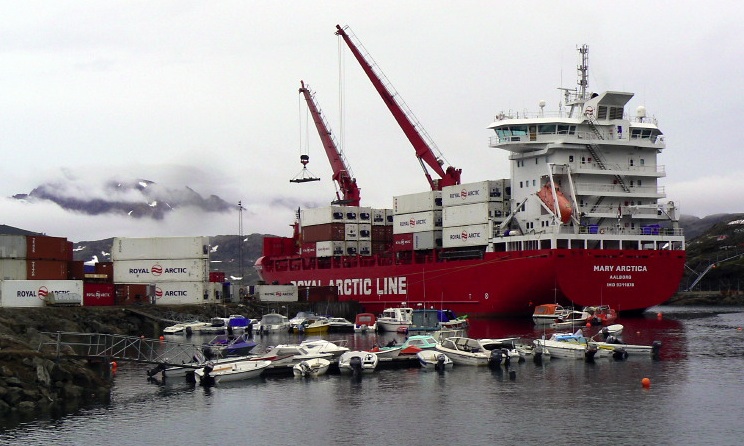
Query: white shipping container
[427, 240]
[322, 216]
[351, 248]
[329, 249]
[162, 270]
[480, 192]
[464, 236]
[365, 231]
[420, 202]
[417, 222]
[389, 217]
[365, 215]
[33, 293]
[183, 293]
[351, 232]
[471, 214]
[378, 217]
[12, 246]
[276, 293]
[365, 248]
[149, 248]
[11, 269]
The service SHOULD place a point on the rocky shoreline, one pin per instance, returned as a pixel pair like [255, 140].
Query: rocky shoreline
[34, 382]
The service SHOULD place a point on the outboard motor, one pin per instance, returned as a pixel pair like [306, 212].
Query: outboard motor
[507, 358]
[619, 354]
[655, 349]
[439, 366]
[590, 352]
[495, 359]
[537, 355]
[189, 331]
[155, 370]
[356, 365]
[207, 379]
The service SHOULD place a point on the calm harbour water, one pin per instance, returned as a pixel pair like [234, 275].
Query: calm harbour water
[696, 396]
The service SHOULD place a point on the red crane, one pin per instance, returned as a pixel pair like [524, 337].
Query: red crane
[422, 143]
[341, 174]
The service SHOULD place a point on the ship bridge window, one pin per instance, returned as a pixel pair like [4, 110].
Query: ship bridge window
[651, 134]
[564, 129]
[546, 129]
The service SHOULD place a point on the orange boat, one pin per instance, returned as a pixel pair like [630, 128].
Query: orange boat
[564, 206]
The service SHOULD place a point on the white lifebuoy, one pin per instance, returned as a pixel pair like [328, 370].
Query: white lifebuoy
[601, 231]
[589, 111]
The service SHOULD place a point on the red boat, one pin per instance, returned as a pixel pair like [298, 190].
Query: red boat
[578, 223]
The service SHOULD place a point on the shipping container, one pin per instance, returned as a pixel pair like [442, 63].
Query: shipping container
[43, 247]
[329, 249]
[187, 293]
[364, 248]
[417, 241]
[351, 248]
[365, 215]
[134, 293]
[308, 250]
[417, 222]
[380, 247]
[70, 251]
[13, 269]
[63, 300]
[151, 248]
[316, 294]
[378, 217]
[107, 269]
[351, 232]
[275, 293]
[365, 231]
[76, 270]
[324, 233]
[462, 236]
[98, 294]
[163, 270]
[323, 216]
[46, 270]
[12, 246]
[389, 214]
[33, 293]
[471, 214]
[379, 233]
[480, 192]
[351, 214]
[419, 202]
[278, 246]
[216, 276]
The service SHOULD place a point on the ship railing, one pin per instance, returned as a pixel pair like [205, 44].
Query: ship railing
[645, 230]
[661, 169]
[588, 188]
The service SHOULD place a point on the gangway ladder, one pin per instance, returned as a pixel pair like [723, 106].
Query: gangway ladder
[710, 267]
[119, 347]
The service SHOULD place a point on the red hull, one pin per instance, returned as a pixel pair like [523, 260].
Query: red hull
[500, 284]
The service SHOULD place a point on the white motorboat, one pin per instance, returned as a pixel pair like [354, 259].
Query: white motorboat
[569, 346]
[322, 346]
[546, 314]
[364, 322]
[465, 351]
[387, 352]
[213, 373]
[340, 325]
[432, 360]
[609, 340]
[272, 323]
[395, 320]
[184, 327]
[505, 351]
[311, 367]
[356, 362]
[288, 355]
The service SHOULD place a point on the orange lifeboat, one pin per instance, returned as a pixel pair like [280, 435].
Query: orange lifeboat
[564, 206]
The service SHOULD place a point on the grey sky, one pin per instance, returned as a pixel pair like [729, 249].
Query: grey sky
[204, 94]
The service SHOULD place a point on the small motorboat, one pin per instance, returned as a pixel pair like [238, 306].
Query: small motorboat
[357, 362]
[226, 345]
[365, 322]
[395, 320]
[311, 367]
[340, 325]
[465, 351]
[185, 328]
[547, 314]
[432, 360]
[213, 373]
[391, 350]
[272, 323]
[416, 343]
[321, 347]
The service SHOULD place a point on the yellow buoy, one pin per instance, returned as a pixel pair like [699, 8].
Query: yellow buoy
[646, 383]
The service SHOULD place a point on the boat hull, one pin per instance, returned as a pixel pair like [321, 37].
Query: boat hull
[499, 284]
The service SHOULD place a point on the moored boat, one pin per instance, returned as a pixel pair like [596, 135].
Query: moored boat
[395, 320]
[311, 367]
[357, 362]
[364, 322]
[432, 360]
[213, 373]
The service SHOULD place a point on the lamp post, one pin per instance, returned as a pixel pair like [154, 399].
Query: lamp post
[240, 241]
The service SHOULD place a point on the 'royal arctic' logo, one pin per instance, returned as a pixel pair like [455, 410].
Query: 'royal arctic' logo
[43, 292]
[464, 194]
[412, 222]
[156, 270]
[464, 235]
[158, 293]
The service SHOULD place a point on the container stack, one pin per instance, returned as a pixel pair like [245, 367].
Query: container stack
[34, 270]
[343, 231]
[163, 270]
[470, 212]
[417, 221]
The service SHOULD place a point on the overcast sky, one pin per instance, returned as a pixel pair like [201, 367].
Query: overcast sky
[205, 94]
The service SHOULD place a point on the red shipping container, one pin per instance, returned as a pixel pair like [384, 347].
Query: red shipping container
[317, 294]
[46, 270]
[402, 242]
[330, 232]
[76, 270]
[42, 247]
[132, 294]
[276, 246]
[308, 250]
[106, 268]
[70, 251]
[98, 294]
[379, 247]
[379, 234]
[216, 276]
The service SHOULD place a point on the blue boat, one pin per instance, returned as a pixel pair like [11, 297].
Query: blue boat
[433, 320]
[226, 345]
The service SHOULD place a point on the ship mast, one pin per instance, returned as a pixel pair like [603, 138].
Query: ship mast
[576, 97]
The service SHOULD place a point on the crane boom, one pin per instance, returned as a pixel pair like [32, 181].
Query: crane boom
[422, 143]
[341, 173]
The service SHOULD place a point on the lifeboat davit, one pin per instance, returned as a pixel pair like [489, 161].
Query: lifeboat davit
[564, 206]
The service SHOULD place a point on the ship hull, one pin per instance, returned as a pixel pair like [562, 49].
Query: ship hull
[498, 285]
